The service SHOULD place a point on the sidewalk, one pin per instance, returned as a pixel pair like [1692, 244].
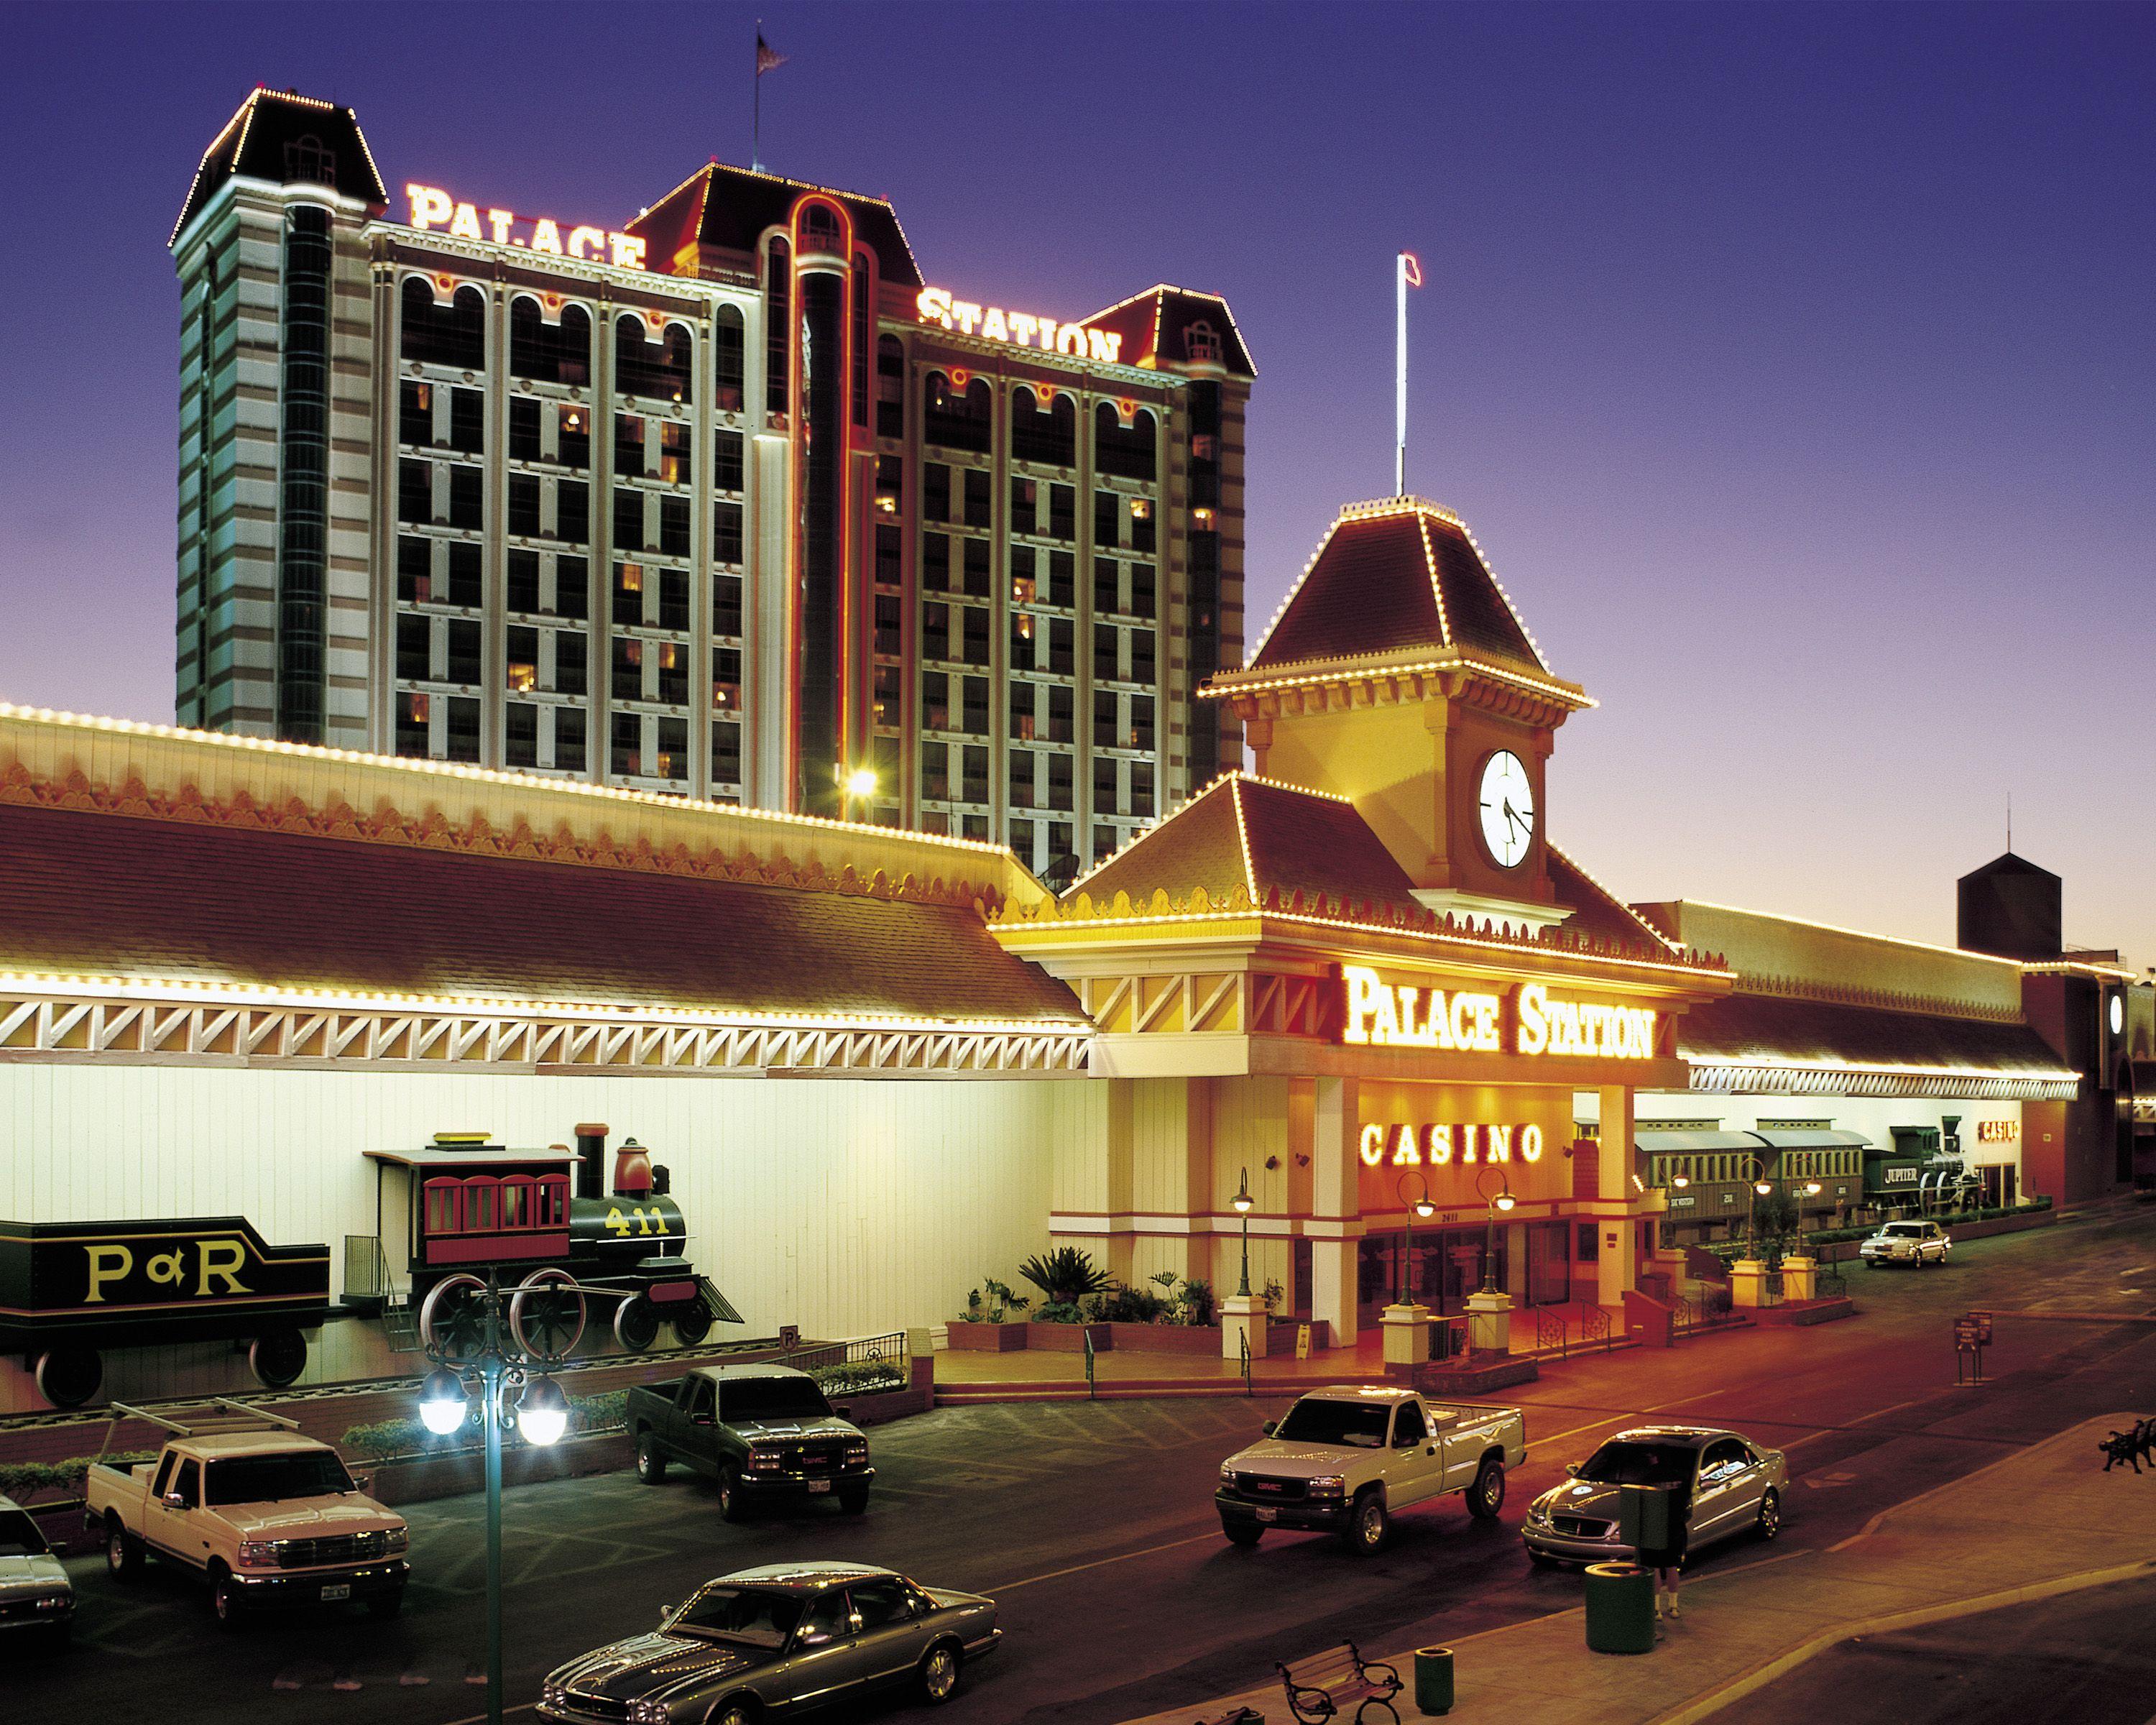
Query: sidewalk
[2046, 1521]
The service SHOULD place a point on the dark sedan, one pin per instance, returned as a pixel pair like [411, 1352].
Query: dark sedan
[778, 1640]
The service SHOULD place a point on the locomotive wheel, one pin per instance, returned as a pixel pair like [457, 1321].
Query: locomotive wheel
[547, 1314]
[692, 1323]
[451, 1325]
[68, 1377]
[277, 1358]
[636, 1324]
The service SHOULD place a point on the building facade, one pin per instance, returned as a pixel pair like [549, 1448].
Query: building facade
[728, 502]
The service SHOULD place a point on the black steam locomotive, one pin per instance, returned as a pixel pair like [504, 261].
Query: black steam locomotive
[543, 1223]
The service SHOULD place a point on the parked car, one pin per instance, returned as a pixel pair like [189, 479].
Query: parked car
[36, 1597]
[772, 1639]
[1738, 1487]
[1347, 1460]
[764, 1433]
[1915, 1244]
[264, 1516]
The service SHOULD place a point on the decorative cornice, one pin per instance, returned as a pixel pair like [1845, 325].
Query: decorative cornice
[479, 837]
[1880, 999]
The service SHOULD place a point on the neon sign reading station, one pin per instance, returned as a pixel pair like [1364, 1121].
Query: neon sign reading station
[434, 208]
[1020, 329]
[1440, 1145]
[1382, 1015]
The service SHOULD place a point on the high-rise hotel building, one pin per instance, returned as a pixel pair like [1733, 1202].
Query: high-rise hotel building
[728, 502]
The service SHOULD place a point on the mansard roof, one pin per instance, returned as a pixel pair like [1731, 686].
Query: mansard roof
[287, 139]
[729, 207]
[1155, 327]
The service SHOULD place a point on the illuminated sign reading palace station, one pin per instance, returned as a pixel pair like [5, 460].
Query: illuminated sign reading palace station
[1383, 1014]
[432, 208]
[1020, 329]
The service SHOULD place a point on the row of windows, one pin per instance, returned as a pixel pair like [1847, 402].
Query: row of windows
[1738, 1167]
[964, 419]
[654, 364]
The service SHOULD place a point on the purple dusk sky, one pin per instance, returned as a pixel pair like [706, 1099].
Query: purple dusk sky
[1793, 365]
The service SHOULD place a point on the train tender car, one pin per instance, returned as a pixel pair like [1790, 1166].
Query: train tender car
[69, 1289]
[538, 1220]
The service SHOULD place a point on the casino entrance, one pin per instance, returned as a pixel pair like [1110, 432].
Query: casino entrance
[1442, 1266]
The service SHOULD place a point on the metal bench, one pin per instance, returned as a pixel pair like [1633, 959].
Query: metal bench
[1320, 1688]
[2132, 1446]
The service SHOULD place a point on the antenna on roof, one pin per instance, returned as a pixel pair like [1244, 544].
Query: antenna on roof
[2010, 823]
[1407, 274]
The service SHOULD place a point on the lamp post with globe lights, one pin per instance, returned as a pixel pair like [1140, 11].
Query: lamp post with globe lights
[1493, 1202]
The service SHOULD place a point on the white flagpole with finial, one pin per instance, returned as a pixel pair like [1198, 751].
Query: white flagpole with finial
[1407, 274]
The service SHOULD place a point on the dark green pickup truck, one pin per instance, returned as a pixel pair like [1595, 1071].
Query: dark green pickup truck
[763, 1432]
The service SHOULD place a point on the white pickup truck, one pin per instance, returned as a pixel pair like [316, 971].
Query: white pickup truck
[1345, 1460]
[263, 1514]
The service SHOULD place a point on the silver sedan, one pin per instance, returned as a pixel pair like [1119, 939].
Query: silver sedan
[1738, 1487]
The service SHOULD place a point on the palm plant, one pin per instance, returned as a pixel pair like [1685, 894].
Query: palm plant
[1064, 1275]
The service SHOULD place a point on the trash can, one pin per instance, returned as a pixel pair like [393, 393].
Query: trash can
[1433, 1668]
[1620, 1609]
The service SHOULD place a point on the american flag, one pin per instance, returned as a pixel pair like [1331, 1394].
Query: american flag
[767, 58]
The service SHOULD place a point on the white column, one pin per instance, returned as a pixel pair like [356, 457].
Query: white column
[1335, 1224]
[1615, 1268]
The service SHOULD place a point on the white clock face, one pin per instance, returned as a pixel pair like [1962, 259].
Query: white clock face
[2118, 1015]
[1508, 809]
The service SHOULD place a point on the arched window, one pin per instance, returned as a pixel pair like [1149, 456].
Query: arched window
[559, 353]
[956, 418]
[778, 323]
[729, 359]
[1202, 342]
[306, 161]
[860, 340]
[659, 370]
[454, 334]
[1037, 433]
[1127, 455]
[890, 387]
[820, 224]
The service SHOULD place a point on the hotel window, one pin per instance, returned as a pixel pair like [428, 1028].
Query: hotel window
[628, 595]
[975, 785]
[1062, 513]
[935, 701]
[673, 761]
[890, 570]
[778, 323]
[863, 309]
[628, 684]
[935, 773]
[888, 625]
[467, 497]
[673, 527]
[411, 711]
[464, 650]
[464, 574]
[657, 370]
[573, 440]
[520, 581]
[1106, 734]
[725, 533]
[1021, 777]
[1125, 454]
[415, 649]
[1104, 784]
[559, 353]
[1061, 705]
[415, 492]
[725, 752]
[415, 569]
[1048, 435]
[1022, 710]
[890, 483]
[1142, 722]
[1105, 650]
[1062, 655]
[468, 422]
[890, 387]
[568, 739]
[1024, 505]
[462, 732]
[977, 510]
[520, 722]
[628, 519]
[935, 631]
[1205, 445]
[572, 511]
[1059, 782]
[936, 563]
[433, 334]
[887, 694]
[726, 605]
[1021, 841]
[976, 567]
[727, 466]
[1141, 802]
[523, 659]
[524, 431]
[1143, 600]
[1107, 586]
[1023, 624]
[1062, 579]
[572, 587]
[725, 680]
[955, 419]
[1104, 842]
[976, 709]
[975, 635]
[1142, 669]
[628, 445]
[1022, 585]
[1142, 525]
[1107, 519]
[674, 452]
[524, 505]
[729, 359]
[627, 751]
[673, 598]
[415, 414]
[571, 664]
[935, 491]
[673, 673]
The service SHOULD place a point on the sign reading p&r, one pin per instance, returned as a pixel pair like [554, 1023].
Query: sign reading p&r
[198, 1268]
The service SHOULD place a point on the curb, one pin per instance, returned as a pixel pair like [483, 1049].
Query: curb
[1705, 1706]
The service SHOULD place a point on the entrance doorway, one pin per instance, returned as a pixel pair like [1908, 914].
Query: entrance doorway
[1443, 1268]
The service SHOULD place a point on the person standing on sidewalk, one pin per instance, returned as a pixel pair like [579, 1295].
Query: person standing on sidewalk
[1667, 1560]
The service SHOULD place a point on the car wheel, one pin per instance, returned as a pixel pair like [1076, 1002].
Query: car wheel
[732, 1508]
[1367, 1524]
[733, 1712]
[1487, 1495]
[1769, 1524]
[651, 1464]
[1541, 1559]
[853, 1503]
[225, 1601]
[938, 1673]
[123, 1553]
[1242, 1533]
[56, 1638]
[385, 1604]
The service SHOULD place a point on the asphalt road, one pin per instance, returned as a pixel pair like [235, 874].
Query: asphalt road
[1092, 1524]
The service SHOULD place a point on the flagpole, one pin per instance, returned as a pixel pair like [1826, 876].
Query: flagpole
[756, 104]
[1400, 377]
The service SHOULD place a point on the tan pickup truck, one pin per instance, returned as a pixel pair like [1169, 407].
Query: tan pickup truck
[265, 1516]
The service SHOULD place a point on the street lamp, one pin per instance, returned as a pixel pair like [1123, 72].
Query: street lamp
[1492, 1202]
[1421, 1206]
[1243, 1201]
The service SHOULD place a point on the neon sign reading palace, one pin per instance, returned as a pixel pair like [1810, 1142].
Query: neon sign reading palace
[1382, 1015]
[432, 208]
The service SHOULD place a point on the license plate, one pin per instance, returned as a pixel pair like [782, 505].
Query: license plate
[819, 1484]
[338, 1590]
[1268, 1515]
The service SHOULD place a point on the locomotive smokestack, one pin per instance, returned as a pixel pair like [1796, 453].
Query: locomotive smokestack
[591, 1160]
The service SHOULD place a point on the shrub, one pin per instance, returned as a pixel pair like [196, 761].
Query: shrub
[1064, 1276]
[861, 1377]
[19, 1479]
[1000, 1302]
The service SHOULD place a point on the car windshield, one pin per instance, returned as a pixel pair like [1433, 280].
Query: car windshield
[753, 1616]
[1314, 1419]
[1627, 1461]
[265, 1479]
[771, 1398]
[19, 1537]
[1903, 1230]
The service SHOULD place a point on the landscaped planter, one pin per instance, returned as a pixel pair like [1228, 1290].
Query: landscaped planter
[1165, 1338]
[1069, 1338]
[415, 1479]
[985, 1338]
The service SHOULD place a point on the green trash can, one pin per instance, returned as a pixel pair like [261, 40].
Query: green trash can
[1433, 1667]
[1620, 1609]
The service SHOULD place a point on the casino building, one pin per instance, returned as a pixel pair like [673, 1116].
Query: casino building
[728, 501]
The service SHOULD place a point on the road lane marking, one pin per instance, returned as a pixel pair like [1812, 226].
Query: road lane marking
[522, 1707]
[1080, 1569]
[1613, 1419]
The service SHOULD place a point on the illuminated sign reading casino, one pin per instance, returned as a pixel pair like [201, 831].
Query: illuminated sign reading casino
[1385, 1014]
[1440, 1145]
[432, 207]
[1020, 329]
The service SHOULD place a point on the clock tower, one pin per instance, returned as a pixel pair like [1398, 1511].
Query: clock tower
[1397, 675]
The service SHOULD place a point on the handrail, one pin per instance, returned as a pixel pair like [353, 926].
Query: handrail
[1087, 1334]
[1243, 1341]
